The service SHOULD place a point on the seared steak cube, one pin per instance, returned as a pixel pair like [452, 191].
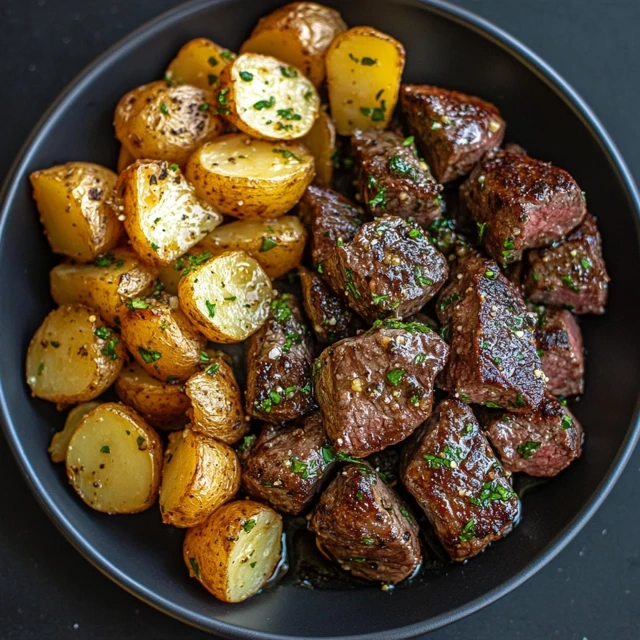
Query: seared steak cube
[519, 203]
[453, 129]
[559, 341]
[279, 359]
[572, 273]
[392, 179]
[389, 268]
[376, 388]
[365, 527]
[287, 468]
[541, 443]
[330, 218]
[493, 358]
[451, 471]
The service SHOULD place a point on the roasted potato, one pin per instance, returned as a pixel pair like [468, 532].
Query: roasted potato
[321, 142]
[124, 159]
[162, 122]
[364, 68]
[199, 63]
[161, 404]
[299, 34]
[199, 474]
[227, 297]
[73, 356]
[163, 216]
[267, 99]
[170, 274]
[236, 550]
[75, 205]
[247, 178]
[162, 339]
[105, 284]
[114, 460]
[277, 244]
[60, 441]
[216, 402]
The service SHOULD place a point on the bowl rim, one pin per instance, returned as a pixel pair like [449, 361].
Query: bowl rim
[12, 183]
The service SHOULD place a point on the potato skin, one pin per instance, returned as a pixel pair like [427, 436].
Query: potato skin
[298, 33]
[321, 142]
[163, 122]
[67, 361]
[75, 204]
[60, 441]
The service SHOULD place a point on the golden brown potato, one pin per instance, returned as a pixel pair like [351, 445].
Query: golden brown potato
[199, 474]
[236, 550]
[364, 69]
[73, 356]
[60, 441]
[199, 63]
[75, 205]
[163, 122]
[267, 99]
[163, 216]
[247, 178]
[227, 297]
[105, 284]
[216, 402]
[162, 339]
[298, 33]
[114, 460]
[321, 142]
[277, 244]
[124, 159]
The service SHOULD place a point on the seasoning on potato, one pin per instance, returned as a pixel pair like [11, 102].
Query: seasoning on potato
[60, 441]
[321, 142]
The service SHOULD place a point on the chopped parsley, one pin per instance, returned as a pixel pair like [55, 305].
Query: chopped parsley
[288, 72]
[420, 358]
[376, 299]
[415, 234]
[379, 200]
[164, 109]
[350, 286]
[247, 76]
[286, 154]
[154, 246]
[204, 357]
[108, 260]
[222, 97]
[149, 356]
[490, 492]
[141, 442]
[137, 303]
[368, 62]
[288, 114]
[265, 104]
[247, 443]
[394, 376]
[401, 167]
[204, 106]
[213, 61]
[570, 284]
[192, 561]
[249, 524]
[468, 531]
[528, 449]
[227, 55]
[212, 78]
[423, 281]
[567, 422]
[376, 113]
[268, 244]
[187, 263]
[230, 299]
[367, 541]
[110, 349]
[212, 369]
[105, 449]
[281, 310]
[211, 308]
[408, 141]
[104, 333]
[445, 302]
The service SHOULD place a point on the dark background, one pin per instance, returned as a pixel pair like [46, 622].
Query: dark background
[589, 592]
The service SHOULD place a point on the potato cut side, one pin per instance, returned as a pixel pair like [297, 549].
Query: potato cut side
[104, 284]
[75, 205]
[73, 356]
[321, 142]
[164, 218]
[236, 550]
[170, 274]
[199, 474]
[60, 441]
[267, 98]
[114, 460]
[227, 298]
[364, 69]
[277, 244]
[248, 178]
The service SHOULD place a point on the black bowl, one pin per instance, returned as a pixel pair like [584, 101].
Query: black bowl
[445, 46]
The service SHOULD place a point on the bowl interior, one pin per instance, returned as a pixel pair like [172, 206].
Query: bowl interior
[144, 555]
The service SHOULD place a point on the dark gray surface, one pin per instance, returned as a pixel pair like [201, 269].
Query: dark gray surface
[589, 591]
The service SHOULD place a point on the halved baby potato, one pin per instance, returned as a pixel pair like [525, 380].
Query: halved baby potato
[248, 178]
[164, 218]
[364, 69]
[105, 284]
[277, 244]
[170, 274]
[227, 297]
[199, 474]
[75, 205]
[114, 460]
[73, 356]
[321, 142]
[267, 98]
[162, 122]
[60, 441]
[299, 34]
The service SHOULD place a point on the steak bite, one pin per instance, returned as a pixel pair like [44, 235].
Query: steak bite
[365, 527]
[541, 443]
[389, 268]
[286, 467]
[493, 357]
[559, 341]
[519, 203]
[279, 359]
[392, 179]
[572, 273]
[376, 388]
[453, 129]
[330, 219]
[450, 469]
